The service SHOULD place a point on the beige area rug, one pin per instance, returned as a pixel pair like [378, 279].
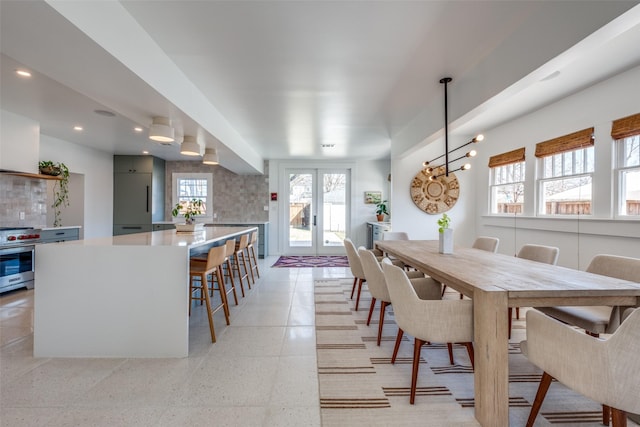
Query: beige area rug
[360, 386]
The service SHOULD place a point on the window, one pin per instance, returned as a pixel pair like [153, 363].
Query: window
[626, 133]
[629, 175]
[565, 187]
[187, 186]
[507, 189]
[507, 182]
[566, 167]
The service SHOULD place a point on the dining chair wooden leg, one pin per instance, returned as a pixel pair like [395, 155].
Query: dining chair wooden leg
[373, 304]
[360, 282]
[606, 414]
[510, 313]
[416, 365]
[471, 354]
[383, 307]
[545, 382]
[353, 289]
[397, 346]
[618, 418]
[450, 349]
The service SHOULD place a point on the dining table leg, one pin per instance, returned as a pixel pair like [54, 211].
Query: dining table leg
[491, 374]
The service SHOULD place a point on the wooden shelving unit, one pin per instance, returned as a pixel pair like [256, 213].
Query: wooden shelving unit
[32, 175]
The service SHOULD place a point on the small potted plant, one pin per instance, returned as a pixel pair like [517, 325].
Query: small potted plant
[189, 209]
[381, 210]
[60, 187]
[445, 235]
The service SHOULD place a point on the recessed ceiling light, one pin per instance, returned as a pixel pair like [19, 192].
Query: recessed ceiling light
[78, 128]
[328, 145]
[145, 152]
[23, 73]
[138, 129]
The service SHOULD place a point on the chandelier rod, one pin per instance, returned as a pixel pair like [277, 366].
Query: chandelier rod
[445, 81]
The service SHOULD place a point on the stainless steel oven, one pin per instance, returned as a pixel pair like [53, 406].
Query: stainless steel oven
[17, 257]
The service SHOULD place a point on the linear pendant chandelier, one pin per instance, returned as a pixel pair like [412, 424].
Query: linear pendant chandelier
[447, 163]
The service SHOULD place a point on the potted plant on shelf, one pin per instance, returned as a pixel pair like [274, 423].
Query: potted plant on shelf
[381, 210]
[445, 235]
[60, 187]
[189, 209]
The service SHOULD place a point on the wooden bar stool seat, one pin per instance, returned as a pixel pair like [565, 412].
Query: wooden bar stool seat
[199, 273]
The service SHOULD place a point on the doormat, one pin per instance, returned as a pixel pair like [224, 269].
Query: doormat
[312, 261]
[359, 386]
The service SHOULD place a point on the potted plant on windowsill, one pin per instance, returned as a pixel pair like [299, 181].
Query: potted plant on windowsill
[189, 209]
[381, 210]
[445, 235]
[60, 187]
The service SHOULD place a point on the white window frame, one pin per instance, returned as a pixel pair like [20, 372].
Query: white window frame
[624, 168]
[573, 172]
[494, 184]
[176, 177]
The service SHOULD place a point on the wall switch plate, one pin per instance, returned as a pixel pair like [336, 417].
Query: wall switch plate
[215, 215]
[266, 208]
[21, 215]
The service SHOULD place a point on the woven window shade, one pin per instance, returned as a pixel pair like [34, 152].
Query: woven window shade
[626, 127]
[508, 158]
[573, 141]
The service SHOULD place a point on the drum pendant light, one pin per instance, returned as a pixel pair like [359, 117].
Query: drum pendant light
[161, 130]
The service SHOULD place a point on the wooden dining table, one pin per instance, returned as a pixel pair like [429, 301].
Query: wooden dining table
[496, 282]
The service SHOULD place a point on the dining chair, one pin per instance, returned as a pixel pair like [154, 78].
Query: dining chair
[596, 320]
[426, 287]
[569, 356]
[356, 268]
[489, 244]
[537, 253]
[427, 320]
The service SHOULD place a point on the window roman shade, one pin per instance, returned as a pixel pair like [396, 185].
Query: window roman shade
[572, 141]
[626, 127]
[507, 158]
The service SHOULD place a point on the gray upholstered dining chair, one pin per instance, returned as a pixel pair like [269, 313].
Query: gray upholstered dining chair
[426, 287]
[356, 268]
[426, 320]
[596, 320]
[569, 356]
[537, 253]
[489, 244]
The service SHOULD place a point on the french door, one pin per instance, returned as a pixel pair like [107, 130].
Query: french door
[318, 206]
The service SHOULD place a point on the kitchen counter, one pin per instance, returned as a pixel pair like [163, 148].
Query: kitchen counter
[124, 296]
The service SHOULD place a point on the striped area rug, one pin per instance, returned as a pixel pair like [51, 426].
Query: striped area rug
[360, 387]
[312, 261]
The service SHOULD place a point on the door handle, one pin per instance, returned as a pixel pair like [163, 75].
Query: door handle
[314, 220]
[147, 198]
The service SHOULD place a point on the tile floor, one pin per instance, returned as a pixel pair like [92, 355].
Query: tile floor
[261, 372]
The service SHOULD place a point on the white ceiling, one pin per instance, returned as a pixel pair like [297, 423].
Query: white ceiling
[276, 80]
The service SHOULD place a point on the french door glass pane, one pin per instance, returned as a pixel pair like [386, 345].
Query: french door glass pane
[300, 208]
[334, 216]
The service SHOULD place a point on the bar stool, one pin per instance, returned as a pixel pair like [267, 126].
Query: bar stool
[251, 255]
[238, 253]
[228, 270]
[199, 272]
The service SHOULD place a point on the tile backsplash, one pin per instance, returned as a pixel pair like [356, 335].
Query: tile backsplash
[239, 198]
[21, 195]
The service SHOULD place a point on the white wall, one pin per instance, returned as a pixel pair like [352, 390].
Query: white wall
[18, 143]
[97, 168]
[366, 175]
[579, 239]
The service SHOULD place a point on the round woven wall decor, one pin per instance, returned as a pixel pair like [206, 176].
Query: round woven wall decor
[437, 196]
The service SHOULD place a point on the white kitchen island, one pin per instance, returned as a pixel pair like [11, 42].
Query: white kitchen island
[122, 296]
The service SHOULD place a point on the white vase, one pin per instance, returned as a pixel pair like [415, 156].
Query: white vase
[446, 241]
